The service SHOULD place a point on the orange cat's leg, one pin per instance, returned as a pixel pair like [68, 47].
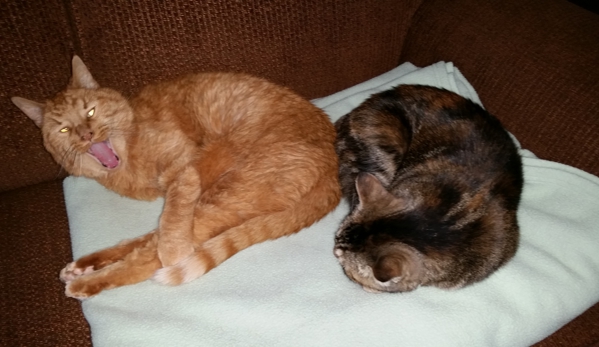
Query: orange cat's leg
[221, 247]
[229, 203]
[211, 220]
[136, 266]
[176, 221]
[100, 259]
[313, 206]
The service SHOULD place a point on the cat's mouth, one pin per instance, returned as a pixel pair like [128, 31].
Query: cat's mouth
[104, 154]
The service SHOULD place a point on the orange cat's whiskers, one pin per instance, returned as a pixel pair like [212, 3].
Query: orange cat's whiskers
[80, 157]
[69, 155]
[122, 133]
[60, 168]
[113, 129]
[101, 131]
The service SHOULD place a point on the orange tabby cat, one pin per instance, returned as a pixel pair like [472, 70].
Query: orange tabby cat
[238, 160]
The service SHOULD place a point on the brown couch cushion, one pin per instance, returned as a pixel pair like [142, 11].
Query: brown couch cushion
[313, 46]
[533, 62]
[36, 49]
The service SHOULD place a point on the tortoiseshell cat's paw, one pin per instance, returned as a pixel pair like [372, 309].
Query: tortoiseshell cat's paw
[171, 252]
[72, 271]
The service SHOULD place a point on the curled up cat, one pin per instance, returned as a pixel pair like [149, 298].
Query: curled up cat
[433, 182]
[238, 160]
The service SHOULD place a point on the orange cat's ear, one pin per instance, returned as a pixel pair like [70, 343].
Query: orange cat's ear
[32, 109]
[82, 78]
[372, 193]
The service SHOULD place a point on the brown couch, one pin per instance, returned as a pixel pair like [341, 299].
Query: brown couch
[535, 64]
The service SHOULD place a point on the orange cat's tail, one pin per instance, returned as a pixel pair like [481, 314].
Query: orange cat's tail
[221, 247]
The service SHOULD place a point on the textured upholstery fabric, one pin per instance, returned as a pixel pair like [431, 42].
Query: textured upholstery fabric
[35, 245]
[128, 44]
[533, 63]
[510, 51]
[35, 48]
[582, 331]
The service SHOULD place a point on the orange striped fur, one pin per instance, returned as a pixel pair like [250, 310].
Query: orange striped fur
[238, 160]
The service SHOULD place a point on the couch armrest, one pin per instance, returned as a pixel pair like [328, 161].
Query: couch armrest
[34, 243]
[533, 62]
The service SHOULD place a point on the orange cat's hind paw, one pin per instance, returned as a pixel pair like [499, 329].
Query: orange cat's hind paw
[71, 272]
[81, 289]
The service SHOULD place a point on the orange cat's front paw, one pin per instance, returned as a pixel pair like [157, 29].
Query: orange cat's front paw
[72, 271]
[171, 252]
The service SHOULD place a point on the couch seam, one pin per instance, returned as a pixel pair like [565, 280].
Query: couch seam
[72, 24]
[415, 15]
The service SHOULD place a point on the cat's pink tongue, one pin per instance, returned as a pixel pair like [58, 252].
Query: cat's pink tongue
[104, 154]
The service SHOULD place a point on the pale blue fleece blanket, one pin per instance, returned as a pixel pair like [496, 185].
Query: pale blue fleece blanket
[292, 292]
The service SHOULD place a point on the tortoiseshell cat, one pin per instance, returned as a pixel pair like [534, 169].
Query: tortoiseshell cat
[434, 182]
[238, 160]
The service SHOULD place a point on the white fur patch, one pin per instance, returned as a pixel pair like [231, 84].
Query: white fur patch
[364, 270]
[187, 270]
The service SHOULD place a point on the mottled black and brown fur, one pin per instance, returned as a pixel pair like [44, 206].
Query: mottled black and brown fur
[434, 183]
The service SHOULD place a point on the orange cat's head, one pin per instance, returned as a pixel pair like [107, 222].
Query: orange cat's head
[84, 127]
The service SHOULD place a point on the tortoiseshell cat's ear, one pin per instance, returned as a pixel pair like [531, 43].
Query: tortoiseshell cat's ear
[82, 78]
[373, 195]
[32, 109]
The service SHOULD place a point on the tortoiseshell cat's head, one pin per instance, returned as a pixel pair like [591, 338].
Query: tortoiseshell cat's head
[367, 254]
[434, 183]
[84, 127]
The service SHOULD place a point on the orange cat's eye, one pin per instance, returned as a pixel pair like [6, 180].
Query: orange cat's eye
[64, 130]
[91, 112]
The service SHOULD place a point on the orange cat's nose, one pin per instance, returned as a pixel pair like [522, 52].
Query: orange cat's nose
[87, 136]
[85, 133]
